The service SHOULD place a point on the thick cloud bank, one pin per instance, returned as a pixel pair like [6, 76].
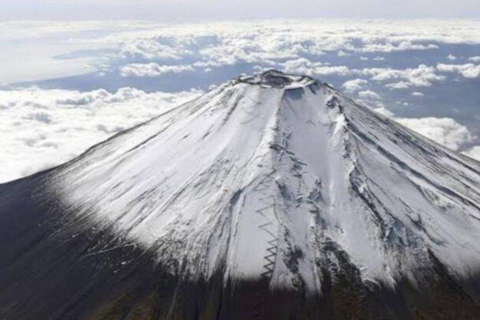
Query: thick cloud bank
[445, 131]
[43, 128]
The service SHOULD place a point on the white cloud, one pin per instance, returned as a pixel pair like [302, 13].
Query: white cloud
[468, 70]
[384, 111]
[337, 70]
[43, 128]
[395, 47]
[305, 66]
[451, 57]
[399, 85]
[473, 153]
[272, 43]
[134, 45]
[369, 95]
[151, 69]
[417, 94]
[474, 59]
[355, 85]
[444, 131]
[422, 76]
[299, 66]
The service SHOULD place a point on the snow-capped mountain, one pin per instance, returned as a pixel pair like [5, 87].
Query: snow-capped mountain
[272, 197]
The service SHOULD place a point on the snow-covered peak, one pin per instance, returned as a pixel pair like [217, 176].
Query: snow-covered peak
[259, 180]
[270, 197]
[277, 79]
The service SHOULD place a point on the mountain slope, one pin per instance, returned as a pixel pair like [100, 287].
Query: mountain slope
[272, 196]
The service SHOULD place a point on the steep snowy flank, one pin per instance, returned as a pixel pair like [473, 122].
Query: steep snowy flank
[260, 174]
[274, 178]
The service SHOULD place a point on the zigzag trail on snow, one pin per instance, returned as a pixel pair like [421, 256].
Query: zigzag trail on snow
[274, 178]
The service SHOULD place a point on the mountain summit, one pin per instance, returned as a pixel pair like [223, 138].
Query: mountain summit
[273, 196]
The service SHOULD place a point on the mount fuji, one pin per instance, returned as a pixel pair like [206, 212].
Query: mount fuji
[273, 196]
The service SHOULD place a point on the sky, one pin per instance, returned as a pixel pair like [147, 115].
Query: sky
[194, 10]
[72, 75]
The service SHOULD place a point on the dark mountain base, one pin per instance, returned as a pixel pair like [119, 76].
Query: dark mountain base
[343, 299]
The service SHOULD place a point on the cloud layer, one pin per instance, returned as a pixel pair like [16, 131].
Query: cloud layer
[468, 70]
[393, 66]
[445, 131]
[43, 128]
